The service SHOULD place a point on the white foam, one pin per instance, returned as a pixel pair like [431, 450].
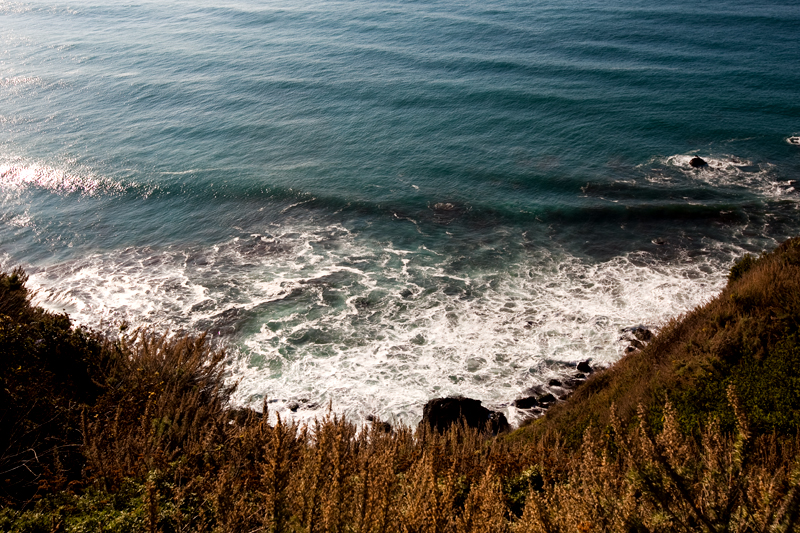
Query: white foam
[21, 177]
[19, 221]
[725, 171]
[322, 316]
[794, 140]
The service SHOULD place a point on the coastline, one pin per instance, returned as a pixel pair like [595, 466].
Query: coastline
[133, 426]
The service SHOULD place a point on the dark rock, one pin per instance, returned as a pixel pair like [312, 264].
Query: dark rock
[526, 403]
[362, 302]
[794, 140]
[580, 376]
[547, 398]
[573, 383]
[295, 405]
[638, 336]
[380, 425]
[697, 162]
[642, 333]
[554, 383]
[441, 413]
[584, 367]
[635, 345]
[444, 206]
[446, 212]
[498, 423]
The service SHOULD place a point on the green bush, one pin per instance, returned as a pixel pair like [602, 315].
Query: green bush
[49, 374]
[741, 267]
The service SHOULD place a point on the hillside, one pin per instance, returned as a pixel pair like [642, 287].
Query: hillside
[698, 431]
[746, 337]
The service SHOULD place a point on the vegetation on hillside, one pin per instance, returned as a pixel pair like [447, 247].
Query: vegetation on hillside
[747, 337]
[697, 432]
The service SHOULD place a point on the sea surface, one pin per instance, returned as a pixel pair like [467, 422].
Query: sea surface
[371, 203]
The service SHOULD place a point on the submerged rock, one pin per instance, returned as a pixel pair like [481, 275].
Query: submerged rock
[446, 212]
[540, 400]
[445, 206]
[441, 413]
[573, 383]
[697, 162]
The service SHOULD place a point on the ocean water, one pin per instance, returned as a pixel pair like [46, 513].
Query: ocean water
[372, 203]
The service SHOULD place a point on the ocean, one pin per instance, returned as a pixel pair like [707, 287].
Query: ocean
[369, 203]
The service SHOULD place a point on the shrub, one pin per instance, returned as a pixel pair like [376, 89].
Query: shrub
[47, 371]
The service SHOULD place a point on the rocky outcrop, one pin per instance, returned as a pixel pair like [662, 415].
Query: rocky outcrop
[698, 162]
[446, 212]
[529, 402]
[441, 413]
[637, 336]
[539, 398]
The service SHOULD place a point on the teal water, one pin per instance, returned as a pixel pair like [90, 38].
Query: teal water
[374, 203]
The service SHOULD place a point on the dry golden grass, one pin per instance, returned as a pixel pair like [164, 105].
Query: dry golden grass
[202, 469]
[672, 482]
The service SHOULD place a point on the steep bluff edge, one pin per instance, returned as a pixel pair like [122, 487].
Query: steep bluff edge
[747, 337]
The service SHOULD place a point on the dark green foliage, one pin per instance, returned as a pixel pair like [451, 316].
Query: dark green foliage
[47, 372]
[13, 294]
[120, 511]
[741, 267]
[517, 487]
[767, 385]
